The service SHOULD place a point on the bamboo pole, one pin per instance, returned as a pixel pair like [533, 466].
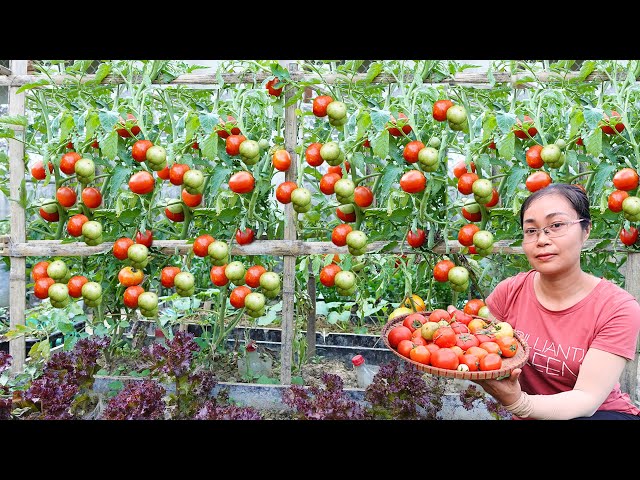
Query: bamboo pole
[17, 283]
[629, 377]
[289, 270]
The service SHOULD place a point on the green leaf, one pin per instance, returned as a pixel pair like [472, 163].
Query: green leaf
[208, 121]
[380, 144]
[103, 70]
[14, 120]
[483, 162]
[92, 122]
[36, 84]
[588, 66]
[592, 116]
[514, 179]
[66, 125]
[505, 121]
[389, 177]
[489, 123]
[603, 174]
[575, 122]
[506, 146]
[191, 125]
[593, 143]
[7, 133]
[109, 145]
[572, 160]
[374, 70]
[357, 162]
[379, 119]
[209, 146]
[108, 119]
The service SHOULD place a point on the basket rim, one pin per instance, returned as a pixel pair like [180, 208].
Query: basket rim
[512, 363]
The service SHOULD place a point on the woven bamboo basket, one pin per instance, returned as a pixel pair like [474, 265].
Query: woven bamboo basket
[508, 364]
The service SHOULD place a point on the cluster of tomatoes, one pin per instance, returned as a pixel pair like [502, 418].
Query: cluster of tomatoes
[620, 200]
[332, 275]
[53, 280]
[454, 339]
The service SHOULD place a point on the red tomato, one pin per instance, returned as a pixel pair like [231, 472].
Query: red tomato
[472, 217]
[168, 275]
[176, 173]
[420, 354]
[225, 127]
[491, 361]
[91, 197]
[328, 274]
[241, 182]
[283, 192]
[460, 168]
[441, 270]
[246, 237]
[462, 317]
[339, 234]
[466, 233]
[141, 182]
[473, 306]
[145, 238]
[201, 245]
[328, 182]
[121, 126]
[465, 182]
[491, 347]
[75, 284]
[165, 173]
[174, 216]
[74, 225]
[319, 105]
[414, 321]
[405, 347]
[49, 217]
[398, 333]
[626, 179]
[253, 274]
[508, 346]
[312, 155]
[471, 361]
[363, 196]
[440, 108]
[66, 196]
[495, 197]
[411, 149]
[190, 200]
[131, 295]
[608, 123]
[394, 130]
[629, 237]
[39, 270]
[483, 335]
[445, 358]
[533, 157]
[281, 160]
[41, 287]
[537, 180]
[477, 351]
[413, 181]
[217, 275]
[439, 314]
[68, 162]
[458, 327]
[416, 239]
[237, 296]
[139, 151]
[121, 246]
[232, 144]
[466, 340]
[444, 337]
[615, 199]
[519, 128]
[274, 92]
[128, 276]
[346, 217]
[37, 170]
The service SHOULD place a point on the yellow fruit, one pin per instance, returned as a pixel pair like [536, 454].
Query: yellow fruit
[418, 303]
[399, 311]
[503, 329]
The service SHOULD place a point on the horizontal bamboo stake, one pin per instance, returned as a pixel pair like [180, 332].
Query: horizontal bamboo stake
[4, 70]
[44, 248]
[244, 78]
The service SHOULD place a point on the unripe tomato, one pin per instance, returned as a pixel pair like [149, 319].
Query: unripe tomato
[91, 230]
[184, 280]
[345, 279]
[130, 125]
[57, 270]
[270, 281]
[58, 292]
[148, 300]
[137, 253]
[91, 291]
[458, 275]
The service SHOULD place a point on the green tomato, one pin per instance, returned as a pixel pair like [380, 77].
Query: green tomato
[91, 230]
[255, 301]
[156, 154]
[357, 240]
[550, 153]
[85, 168]
[249, 148]
[184, 280]
[147, 301]
[561, 143]
[483, 239]
[91, 291]
[193, 179]
[344, 188]
[337, 110]
[456, 114]
[301, 197]
[330, 151]
[262, 143]
[630, 206]
[345, 279]
[58, 292]
[92, 242]
[57, 269]
[50, 206]
[270, 281]
[428, 156]
[137, 252]
[218, 250]
[482, 188]
[483, 312]
[434, 142]
[235, 271]
[458, 275]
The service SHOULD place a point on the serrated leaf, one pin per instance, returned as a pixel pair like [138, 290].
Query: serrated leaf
[575, 122]
[489, 124]
[109, 145]
[36, 84]
[380, 144]
[505, 121]
[588, 66]
[506, 146]
[66, 125]
[593, 143]
[483, 162]
[14, 120]
[101, 73]
[374, 70]
[592, 116]
[357, 162]
[379, 118]
[389, 177]
[571, 157]
[514, 179]
[7, 133]
[92, 122]
[208, 121]
[209, 146]
[603, 174]
[191, 125]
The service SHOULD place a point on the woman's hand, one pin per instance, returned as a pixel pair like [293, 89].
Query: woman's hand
[506, 391]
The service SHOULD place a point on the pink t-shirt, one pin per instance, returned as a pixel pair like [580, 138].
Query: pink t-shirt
[607, 319]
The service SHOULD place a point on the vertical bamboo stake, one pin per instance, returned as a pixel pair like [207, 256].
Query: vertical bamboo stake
[289, 271]
[629, 377]
[17, 284]
[311, 317]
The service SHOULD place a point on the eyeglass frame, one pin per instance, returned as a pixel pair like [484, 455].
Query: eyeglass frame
[546, 232]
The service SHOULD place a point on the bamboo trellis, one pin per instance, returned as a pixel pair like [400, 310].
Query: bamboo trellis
[18, 248]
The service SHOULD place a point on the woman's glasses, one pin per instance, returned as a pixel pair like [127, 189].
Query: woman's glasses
[553, 230]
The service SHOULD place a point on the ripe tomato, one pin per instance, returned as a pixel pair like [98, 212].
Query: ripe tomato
[68, 162]
[491, 361]
[476, 325]
[312, 154]
[393, 130]
[145, 238]
[441, 270]
[397, 334]
[629, 237]
[466, 340]
[471, 361]
[363, 196]
[252, 277]
[458, 327]
[141, 182]
[201, 245]
[439, 314]
[281, 160]
[608, 123]
[131, 295]
[176, 173]
[319, 105]
[413, 181]
[414, 321]
[411, 149]
[121, 246]
[465, 182]
[164, 174]
[91, 197]
[328, 182]
[420, 354]
[416, 239]
[626, 179]
[520, 128]
[440, 108]
[495, 197]
[130, 276]
[238, 294]
[477, 351]
[74, 285]
[139, 153]
[273, 91]
[472, 217]
[405, 346]
[339, 234]
[445, 358]
[508, 346]
[66, 196]
[174, 216]
[232, 144]
[49, 217]
[466, 233]
[537, 181]
[490, 346]
[241, 182]
[444, 337]
[462, 317]
[74, 225]
[344, 216]
[39, 270]
[225, 127]
[328, 274]
[190, 200]
[131, 122]
[41, 287]
[473, 306]
[37, 170]
[283, 192]
[217, 275]
[615, 199]
[461, 168]
[167, 276]
[246, 237]
[533, 157]
[484, 335]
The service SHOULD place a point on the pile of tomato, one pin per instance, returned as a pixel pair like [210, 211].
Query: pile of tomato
[454, 340]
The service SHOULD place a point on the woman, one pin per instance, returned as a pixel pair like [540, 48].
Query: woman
[581, 329]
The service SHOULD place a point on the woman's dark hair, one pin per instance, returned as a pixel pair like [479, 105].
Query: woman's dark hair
[574, 194]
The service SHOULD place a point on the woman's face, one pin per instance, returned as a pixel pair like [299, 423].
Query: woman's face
[553, 255]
